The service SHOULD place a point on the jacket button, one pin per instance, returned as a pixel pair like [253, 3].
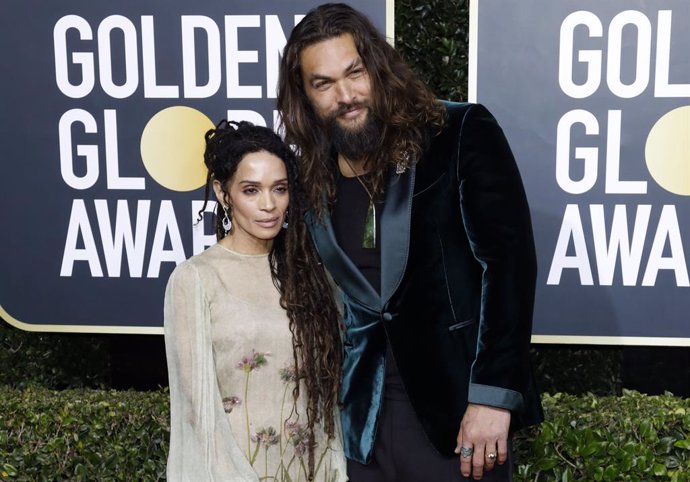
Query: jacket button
[387, 316]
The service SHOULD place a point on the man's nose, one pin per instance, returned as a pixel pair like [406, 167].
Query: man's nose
[345, 92]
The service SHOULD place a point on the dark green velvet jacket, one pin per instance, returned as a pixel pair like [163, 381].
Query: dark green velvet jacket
[458, 273]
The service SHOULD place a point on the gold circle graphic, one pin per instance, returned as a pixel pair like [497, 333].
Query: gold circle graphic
[172, 148]
[668, 151]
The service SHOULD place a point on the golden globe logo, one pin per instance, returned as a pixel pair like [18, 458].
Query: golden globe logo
[667, 151]
[118, 58]
[622, 235]
[172, 147]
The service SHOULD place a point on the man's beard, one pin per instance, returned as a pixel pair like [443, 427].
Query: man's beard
[357, 142]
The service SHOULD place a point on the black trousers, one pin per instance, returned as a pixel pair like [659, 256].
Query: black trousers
[402, 453]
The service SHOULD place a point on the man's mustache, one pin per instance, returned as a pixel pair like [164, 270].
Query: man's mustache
[344, 108]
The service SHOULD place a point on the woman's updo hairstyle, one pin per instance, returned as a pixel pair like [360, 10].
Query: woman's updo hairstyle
[226, 146]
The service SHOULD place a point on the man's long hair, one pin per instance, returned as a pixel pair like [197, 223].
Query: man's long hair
[305, 290]
[404, 104]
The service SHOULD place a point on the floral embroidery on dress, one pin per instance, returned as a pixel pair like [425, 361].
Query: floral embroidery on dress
[292, 465]
[266, 438]
[231, 402]
[256, 360]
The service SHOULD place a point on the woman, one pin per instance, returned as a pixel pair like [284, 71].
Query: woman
[251, 329]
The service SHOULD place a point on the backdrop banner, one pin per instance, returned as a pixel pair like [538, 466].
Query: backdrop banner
[595, 101]
[104, 110]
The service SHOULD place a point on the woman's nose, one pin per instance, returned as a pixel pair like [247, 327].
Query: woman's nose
[267, 202]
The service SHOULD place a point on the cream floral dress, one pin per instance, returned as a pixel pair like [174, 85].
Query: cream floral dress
[231, 372]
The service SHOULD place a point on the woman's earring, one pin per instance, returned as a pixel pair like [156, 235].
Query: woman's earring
[227, 224]
[285, 220]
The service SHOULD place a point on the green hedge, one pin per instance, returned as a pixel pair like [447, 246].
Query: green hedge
[83, 435]
[630, 437]
[109, 435]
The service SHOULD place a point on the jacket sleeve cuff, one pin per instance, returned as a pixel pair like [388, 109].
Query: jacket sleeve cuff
[495, 397]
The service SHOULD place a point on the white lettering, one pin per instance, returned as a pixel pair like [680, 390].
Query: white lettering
[235, 56]
[84, 59]
[588, 154]
[105, 58]
[275, 43]
[112, 158]
[79, 223]
[662, 85]
[191, 23]
[89, 151]
[667, 229]
[165, 227]
[592, 58]
[630, 252]
[134, 244]
[613, 159]
[615, 54]
[620, 245]
[148, 51]
[571, 228]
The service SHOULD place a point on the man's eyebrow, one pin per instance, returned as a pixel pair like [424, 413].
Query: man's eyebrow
[316, 76]
[356, 63]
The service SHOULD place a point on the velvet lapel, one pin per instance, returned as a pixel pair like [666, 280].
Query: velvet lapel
[395, 242]
[395, 231]
[342, 269]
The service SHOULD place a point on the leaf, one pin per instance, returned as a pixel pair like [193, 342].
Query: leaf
[683, 444]
[610, 473]
[659, 469]
[546, 464]
[646, 430]
[592, 448]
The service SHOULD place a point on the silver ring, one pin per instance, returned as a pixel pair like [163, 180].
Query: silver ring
[491, 455]
[466, 452]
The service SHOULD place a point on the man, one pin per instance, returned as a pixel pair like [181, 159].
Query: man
[418, 212]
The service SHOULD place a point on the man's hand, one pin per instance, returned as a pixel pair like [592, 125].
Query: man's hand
[482, 439]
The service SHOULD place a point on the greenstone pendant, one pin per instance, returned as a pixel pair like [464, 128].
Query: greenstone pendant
[369, 238]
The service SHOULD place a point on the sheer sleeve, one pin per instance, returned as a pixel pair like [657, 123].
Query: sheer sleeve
[202, 447]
